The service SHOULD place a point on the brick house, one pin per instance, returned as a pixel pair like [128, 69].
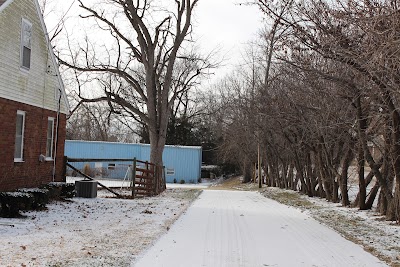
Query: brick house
[33, 104]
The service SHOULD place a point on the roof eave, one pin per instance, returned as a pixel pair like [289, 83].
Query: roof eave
[5, 4]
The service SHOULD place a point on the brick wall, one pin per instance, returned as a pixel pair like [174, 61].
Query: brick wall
[31, 172]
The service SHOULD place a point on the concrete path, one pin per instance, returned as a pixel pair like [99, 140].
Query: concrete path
[233, 228]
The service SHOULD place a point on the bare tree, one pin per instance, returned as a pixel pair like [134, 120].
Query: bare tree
[95, 122]
[137, 72]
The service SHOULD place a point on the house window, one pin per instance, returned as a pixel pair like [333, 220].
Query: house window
[111, 166]
[26, 44]
[50, 138]
[19, 136]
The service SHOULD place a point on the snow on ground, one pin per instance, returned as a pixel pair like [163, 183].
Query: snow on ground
[367, 228]
[238, 228]
[120, 183]
[103, 231]
[113, 232]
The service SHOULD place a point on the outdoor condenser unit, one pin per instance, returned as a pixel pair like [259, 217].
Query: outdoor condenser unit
[86, 188]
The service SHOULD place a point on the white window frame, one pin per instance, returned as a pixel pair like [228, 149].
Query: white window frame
[29, 45]
[50, 119]
[21, 159]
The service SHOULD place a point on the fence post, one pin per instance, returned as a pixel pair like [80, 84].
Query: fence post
[156, 180]
[164, 178]
[64, 169]
[133, 177]
[159, 178]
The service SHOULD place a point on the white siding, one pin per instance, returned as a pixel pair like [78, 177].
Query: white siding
[37, 86]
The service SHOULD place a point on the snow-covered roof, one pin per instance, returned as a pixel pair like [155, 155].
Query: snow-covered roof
[209, 167]
[137, 144]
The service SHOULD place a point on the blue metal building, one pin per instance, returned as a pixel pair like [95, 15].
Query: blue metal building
[181, 162]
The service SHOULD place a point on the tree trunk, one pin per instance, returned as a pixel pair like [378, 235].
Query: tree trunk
[300, 175]
[394, 208]
[246, 169]
[372, 195]
[368, 180]
[323, 177]
[382, 203]
[284, 175]
[362, 127]
[397, 202]
[343, 177]
[157, 136]
[291, 176]
[385, 189]
[310, 177]
[362, 190]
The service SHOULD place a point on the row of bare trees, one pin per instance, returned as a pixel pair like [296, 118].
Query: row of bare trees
[320, 93]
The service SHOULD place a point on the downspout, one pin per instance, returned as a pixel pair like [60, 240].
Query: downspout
[57, 127]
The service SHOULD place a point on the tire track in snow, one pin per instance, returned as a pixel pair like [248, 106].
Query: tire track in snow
[295, 227]
[221, 223]
[233, 228]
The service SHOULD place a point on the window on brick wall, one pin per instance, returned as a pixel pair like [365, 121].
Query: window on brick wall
[50, 138]
[19, 136]
[26, 44]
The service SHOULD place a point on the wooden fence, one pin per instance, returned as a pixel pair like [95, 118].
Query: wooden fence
[148, 179]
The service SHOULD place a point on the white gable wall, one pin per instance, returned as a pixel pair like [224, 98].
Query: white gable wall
[36, 87]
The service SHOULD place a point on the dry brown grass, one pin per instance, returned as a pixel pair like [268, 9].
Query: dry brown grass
[235, 183]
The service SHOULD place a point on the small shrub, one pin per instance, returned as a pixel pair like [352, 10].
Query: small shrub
[13, 202]
[68, 190]
[175, 181]
[40, 196]
[182, 181]
[58, 190]
[88, 170]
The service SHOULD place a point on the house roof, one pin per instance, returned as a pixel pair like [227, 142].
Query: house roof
[2, 2]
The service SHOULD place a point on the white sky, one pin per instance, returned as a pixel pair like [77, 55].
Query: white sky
[221, 25]
[226, 25]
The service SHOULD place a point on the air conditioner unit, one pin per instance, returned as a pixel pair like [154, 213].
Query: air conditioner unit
[86, 188]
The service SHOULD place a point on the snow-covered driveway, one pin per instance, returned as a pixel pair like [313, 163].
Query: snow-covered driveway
[235, 228]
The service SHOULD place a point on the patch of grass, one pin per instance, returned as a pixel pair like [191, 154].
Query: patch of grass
[236, 184]
[190, 194]
[228, 184]
[290, 198]
[396, 249]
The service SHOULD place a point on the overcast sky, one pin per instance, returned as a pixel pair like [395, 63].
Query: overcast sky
[223, 25]
[227, 25]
